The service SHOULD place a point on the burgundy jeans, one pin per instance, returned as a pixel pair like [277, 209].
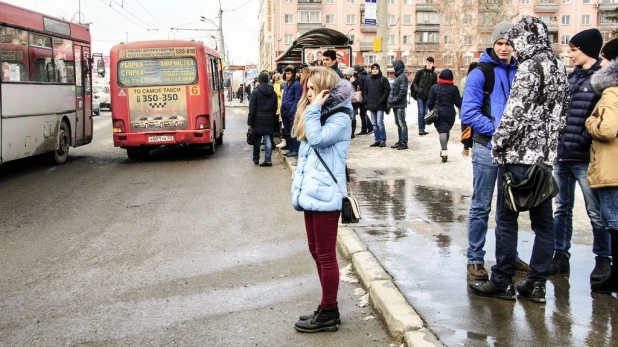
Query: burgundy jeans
[322, 239]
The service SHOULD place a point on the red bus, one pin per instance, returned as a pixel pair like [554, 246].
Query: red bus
[45, 85]
[166, 93]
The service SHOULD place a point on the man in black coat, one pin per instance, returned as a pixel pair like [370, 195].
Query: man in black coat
[375, 95]
[366, 127]
[262, 118]
[398, 101]
[423, 81]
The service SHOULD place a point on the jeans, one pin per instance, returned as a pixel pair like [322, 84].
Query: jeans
[566, 174]
[542, 222]
[402, 127]
[423, 106]
[484, 174]
[379, 132]
[268, 147]
[322, 240]
[608, 198]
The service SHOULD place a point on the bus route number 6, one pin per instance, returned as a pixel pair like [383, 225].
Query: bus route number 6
[195, 90]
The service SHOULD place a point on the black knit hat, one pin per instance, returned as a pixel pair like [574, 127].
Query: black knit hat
[263, 78]
[446, 74]
[610, 50]
[357, 68]
[588, 41]
[375, 65]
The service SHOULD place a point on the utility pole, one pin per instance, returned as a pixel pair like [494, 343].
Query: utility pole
[382, 33]
[222, 50]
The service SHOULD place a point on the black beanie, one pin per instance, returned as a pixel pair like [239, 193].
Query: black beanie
[588, 41]
[375, 65]
[263, 78]
[446, 74]
[610, 50]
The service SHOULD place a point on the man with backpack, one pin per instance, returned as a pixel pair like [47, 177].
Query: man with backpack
[487, 90]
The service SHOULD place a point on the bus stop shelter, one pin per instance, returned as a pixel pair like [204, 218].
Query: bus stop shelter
[316, 37]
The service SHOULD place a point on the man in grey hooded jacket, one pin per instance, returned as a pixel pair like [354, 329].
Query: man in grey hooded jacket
[528, 133]
[398, 101]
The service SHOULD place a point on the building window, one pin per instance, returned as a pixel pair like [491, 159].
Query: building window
[369, 59]
[510, 2]
[447, 40]
[289, 38]
[525, 2]
[309, 17]
[427, 18]
[351, 38]
[391, 2]
[330, 18]
[467, 19]
[467, 60]
[468, 40]
[407, 39]
[448, 60]
[427, 37]
[586, 19]
[289, 1]
[546, 19]
[391, 40]
[390, 59]
[407, 19]
[407, 2]
[585, 1]
[350, 19]
[564, 39]
[486, 39]
[350, 1]
[330, 2]
[448, 19]
[392, 19]
[288, 18]
[566, 19]
[566, 1]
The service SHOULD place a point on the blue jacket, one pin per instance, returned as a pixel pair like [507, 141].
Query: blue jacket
[313, 189]
[575, 142]
[290, 98]
[473, 98]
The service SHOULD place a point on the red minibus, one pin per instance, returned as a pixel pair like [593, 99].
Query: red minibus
[166, 93]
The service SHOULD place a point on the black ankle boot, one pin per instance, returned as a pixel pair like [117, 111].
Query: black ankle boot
[321, 321]
[311, 315]
[608, 285]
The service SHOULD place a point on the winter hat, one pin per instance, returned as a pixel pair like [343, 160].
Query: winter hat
[357, 68]
[375, 65]
[349, 71]
[610, 50]
[500, 31]
[446, 74]
[289, 68]
[588, 41]
[264, 78]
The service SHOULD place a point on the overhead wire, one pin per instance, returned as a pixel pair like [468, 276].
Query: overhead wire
[145, 9]
[131, 13]
[97, 19]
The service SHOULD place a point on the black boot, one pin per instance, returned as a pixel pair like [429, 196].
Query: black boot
[610, 284]
[353, 128]
[311, 315]
[602, 268]
[320, 322]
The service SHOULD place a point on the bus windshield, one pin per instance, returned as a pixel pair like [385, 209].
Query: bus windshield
[157, 72]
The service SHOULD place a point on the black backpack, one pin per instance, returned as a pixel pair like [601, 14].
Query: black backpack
[490, 79]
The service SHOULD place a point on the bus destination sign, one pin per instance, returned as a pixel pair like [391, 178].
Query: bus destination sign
[156, 52]
[144, 72]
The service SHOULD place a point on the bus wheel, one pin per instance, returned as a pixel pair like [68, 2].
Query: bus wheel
[60, 155]
[212, 148]
[137, 153]
[219, 140]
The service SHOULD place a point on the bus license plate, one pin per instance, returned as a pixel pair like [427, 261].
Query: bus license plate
[160, 138]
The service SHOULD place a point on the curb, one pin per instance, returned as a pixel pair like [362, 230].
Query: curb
[401, 320]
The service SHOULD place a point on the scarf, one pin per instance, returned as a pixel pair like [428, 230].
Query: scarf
[441, 81]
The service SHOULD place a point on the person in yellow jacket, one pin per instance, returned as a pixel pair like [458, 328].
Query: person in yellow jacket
[603, 169]
[278, 86]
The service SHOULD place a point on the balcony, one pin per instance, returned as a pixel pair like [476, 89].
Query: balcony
[427, 27]
[427, 46]
[608, 25]
[365, 28]
[425, 8]
[304, 27]
[366, 46]
[546, 6]
[607, 7]
[309, 5]
[552, 27]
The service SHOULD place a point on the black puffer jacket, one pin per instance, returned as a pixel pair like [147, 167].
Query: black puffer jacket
[262, 109]
[575, 142]
[376, 92]
[423, 81]
[398, 97]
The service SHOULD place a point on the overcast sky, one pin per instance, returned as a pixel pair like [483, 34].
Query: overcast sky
[110, 25]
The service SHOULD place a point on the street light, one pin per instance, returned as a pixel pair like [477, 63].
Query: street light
[219, 27]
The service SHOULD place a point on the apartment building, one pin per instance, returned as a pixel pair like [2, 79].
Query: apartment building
[454, 32]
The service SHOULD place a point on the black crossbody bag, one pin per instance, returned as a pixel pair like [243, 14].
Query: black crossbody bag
[350, 210]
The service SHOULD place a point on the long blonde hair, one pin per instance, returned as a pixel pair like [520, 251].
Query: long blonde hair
[322, 78]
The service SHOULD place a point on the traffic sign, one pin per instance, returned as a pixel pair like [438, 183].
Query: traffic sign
[371, 10]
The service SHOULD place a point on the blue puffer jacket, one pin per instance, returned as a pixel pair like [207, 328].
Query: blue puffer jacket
[313, 189]
[290, 98]
[575, 142]
[473, 98]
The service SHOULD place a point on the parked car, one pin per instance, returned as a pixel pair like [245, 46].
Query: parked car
[96, 105]
[174, 121]
[105, 101]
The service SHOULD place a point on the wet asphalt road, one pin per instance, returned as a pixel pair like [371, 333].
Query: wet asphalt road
[419, 235]
[181, 249]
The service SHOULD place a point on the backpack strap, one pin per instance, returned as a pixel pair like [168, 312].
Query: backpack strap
[490, 80]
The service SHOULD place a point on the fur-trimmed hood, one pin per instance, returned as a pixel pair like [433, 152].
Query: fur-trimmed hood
[340, 97]
[605, 78]
[529, 37]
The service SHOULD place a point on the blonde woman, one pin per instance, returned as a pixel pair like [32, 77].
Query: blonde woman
[278, 86]
[322, 123]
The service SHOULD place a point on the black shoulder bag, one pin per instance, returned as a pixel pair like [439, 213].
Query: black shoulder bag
[350, 210]
[432, 115]
[538, 185]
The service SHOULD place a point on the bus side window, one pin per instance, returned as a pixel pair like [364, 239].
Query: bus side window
[13, 54]
[63, 61]
[41, 57]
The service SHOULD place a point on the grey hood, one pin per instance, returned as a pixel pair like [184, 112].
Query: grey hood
[399, 67]
[605, 78]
